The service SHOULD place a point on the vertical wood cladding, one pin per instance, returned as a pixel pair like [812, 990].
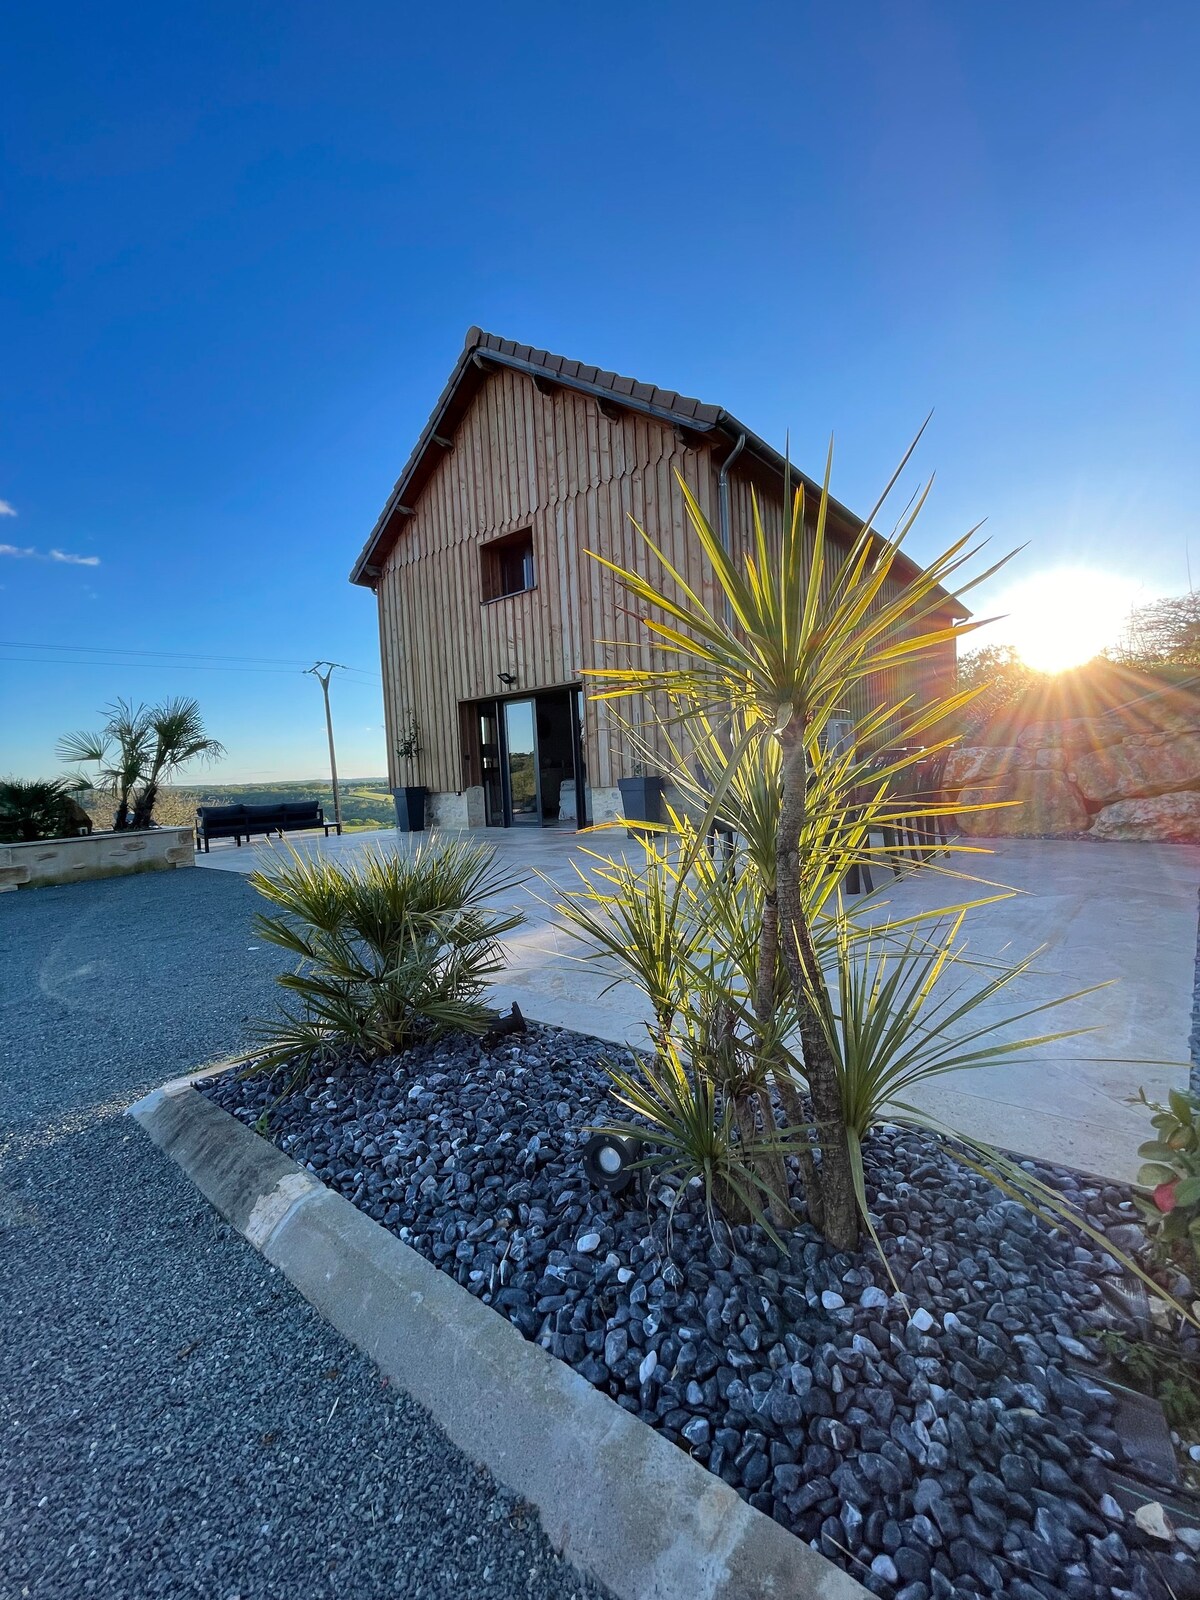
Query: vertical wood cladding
[578, 480]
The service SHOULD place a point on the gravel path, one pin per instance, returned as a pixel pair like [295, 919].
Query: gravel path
[174, 1419]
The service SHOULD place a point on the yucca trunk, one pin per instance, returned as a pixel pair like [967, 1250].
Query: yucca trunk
[833, 1182]
[729, 1203]
[749, 1100]
[764, 1006]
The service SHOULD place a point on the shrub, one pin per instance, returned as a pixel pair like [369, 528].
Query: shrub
[759, 976]
[390, 947]
[37, 809]
[786, 640]
[1171, 1174]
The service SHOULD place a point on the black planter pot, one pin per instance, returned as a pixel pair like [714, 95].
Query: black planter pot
[410, 809]
[641, 799]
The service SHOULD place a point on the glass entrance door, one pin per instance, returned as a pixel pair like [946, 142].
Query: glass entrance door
[521, 741]
[531, 760]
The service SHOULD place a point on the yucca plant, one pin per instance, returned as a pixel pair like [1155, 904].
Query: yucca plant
[902, 1007]
[391, 947]
[689, 1108]
[683, 931]
[631, 915]
[696, 930]
[787, 643]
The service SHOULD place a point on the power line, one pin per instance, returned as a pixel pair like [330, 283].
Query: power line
[172, 666]
[123, 650]
[169, 666]
[296, 662]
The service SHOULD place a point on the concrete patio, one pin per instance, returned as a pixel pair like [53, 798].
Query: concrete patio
[1122, 914]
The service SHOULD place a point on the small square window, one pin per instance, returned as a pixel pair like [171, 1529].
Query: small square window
[506, 565]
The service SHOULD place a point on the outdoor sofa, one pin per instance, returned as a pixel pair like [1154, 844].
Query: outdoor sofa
[242, 822]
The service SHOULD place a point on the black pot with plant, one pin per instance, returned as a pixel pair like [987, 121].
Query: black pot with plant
[409, 800]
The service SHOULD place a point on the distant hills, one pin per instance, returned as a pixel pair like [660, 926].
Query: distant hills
[366, 802]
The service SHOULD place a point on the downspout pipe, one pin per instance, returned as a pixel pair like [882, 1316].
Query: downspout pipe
[723, 491]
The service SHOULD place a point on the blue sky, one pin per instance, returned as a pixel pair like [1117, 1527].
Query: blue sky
[240, 246]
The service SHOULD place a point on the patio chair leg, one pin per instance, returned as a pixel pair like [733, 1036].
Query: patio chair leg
[891, 843]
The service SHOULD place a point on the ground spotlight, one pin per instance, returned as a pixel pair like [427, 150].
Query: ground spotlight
[608, 1161]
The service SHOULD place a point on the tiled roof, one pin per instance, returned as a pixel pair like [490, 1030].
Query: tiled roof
[679, 406]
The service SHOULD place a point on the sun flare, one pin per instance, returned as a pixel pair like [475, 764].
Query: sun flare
[1059, 619]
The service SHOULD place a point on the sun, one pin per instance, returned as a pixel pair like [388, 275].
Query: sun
[1061, 618]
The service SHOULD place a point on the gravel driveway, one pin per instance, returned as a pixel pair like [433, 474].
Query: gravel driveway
[174, 1419]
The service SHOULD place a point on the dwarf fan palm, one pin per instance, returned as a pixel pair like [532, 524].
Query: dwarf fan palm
[389, 947]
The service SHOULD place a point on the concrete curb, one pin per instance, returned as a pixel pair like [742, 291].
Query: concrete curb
[621, 1503]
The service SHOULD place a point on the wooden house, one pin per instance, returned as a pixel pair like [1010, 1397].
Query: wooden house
[489, 606]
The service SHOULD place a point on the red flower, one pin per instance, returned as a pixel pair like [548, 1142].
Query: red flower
[1164, 1195]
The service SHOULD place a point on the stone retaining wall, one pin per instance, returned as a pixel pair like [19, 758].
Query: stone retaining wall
[1131, 774]
[96, 855]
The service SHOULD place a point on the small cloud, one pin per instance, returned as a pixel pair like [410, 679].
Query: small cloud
[74, 561]
[28, 553]
[7, 510]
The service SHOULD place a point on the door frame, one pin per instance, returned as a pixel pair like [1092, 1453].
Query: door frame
[475, 710]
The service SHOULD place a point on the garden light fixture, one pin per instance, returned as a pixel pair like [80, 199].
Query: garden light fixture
[608, 1161]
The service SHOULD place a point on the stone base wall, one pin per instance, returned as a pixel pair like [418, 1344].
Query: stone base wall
[97, 855]
[467, 810]
[462, 810]
[1127, 775]
[605, 805]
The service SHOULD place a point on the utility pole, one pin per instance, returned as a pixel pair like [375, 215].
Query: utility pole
[323, 679]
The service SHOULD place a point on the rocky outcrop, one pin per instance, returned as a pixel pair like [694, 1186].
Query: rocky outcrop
[997, 763]
[1124, 775]
[1076, 733]
[1031, 800]
[1137, 767]
[1173, 818]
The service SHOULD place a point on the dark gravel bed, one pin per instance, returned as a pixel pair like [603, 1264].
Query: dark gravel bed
[175, 1421]
[951, 1443]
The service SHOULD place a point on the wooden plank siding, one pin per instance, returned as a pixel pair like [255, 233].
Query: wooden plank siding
[555, 464]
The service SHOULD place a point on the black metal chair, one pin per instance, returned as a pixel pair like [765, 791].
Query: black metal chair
[908, 835]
